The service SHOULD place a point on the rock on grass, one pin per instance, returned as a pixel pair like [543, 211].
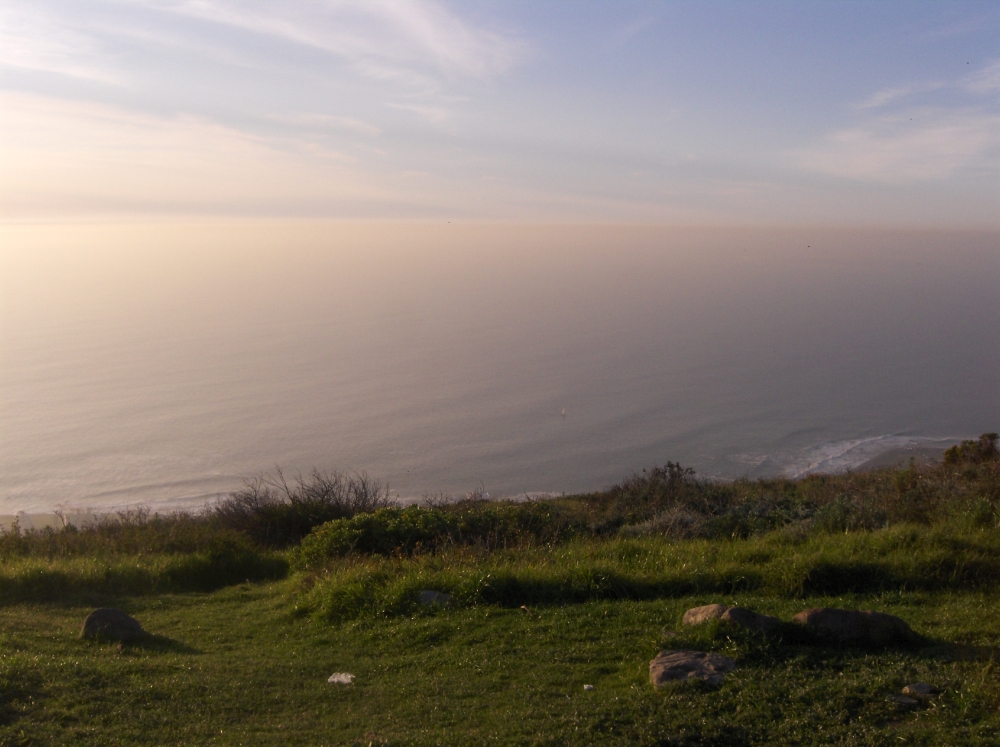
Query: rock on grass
[859, 627]
[689, 666]
[111, 624]
[741, 616]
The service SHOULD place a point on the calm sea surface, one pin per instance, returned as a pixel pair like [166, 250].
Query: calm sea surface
[162, 365]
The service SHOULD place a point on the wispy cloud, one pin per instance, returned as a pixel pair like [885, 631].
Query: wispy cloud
[984, 81]
[407, 39]
[432, 114]
[314, 121]
[919, 140]
[63, 157]
[931, 145]
[889, 95]
[34, 38]
[623, 35]
[413, 47]
[958, 28]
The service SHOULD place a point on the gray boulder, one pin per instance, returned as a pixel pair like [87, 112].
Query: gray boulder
[699, 615]
[903, 702]
[742, 616]
[921, 691]
[111, 624]
[862, 627]
[687, 666]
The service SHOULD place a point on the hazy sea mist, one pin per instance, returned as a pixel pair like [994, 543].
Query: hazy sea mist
[162, 364]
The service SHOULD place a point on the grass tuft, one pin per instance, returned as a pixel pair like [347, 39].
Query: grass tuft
[586, 570]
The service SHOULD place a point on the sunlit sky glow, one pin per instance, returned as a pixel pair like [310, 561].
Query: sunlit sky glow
[704, 112]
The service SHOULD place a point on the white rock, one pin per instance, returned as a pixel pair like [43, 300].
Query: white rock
[341, 678]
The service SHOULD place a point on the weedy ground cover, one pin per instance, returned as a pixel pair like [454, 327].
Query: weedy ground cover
[248, 623]
[338, 513]
[781, 564]
[239, 666]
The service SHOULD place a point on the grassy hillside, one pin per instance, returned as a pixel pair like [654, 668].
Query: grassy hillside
[252, 607]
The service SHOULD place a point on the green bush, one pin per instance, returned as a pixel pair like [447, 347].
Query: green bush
[274, 513]
[267, 513]
[416, 529]
[974, 452]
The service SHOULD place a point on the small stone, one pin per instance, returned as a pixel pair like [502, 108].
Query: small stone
[341, 678]
[856, 626]
[920, 690]
[435, 597]
[687, 666]
[588, 687]
[741, 616]
[903, 701]
[699, 615]
[111, 624]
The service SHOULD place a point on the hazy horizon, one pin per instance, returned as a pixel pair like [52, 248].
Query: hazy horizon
[407, 236]
[161, 365]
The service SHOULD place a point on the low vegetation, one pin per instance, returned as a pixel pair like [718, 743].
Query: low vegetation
[272, 513]
[257, 600]
[950, 557]
[343, 513]
[974, 452]
[417, 530]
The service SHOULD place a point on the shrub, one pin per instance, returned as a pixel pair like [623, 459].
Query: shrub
[407, 531]
[974, 452]
[640, 497]
[275, 514]
[267, 513]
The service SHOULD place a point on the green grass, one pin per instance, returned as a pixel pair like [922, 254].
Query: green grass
[237, 666]
[245, 633]
[248, 664]
[781, 564]
[55, 579]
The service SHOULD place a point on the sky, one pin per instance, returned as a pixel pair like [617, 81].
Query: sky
[721, 113]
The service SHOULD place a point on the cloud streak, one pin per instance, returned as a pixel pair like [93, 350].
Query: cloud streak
[984, 81]
[71, 157]
[409, 40]
[296, 108]
[918, 143]
[895, 150]
[31, 38]
[313, 121]
[889, 95]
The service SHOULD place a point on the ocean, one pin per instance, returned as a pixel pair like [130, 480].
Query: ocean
[161, 364]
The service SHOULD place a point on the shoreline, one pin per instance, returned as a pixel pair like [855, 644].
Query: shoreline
[922, 456]
[837, 456]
